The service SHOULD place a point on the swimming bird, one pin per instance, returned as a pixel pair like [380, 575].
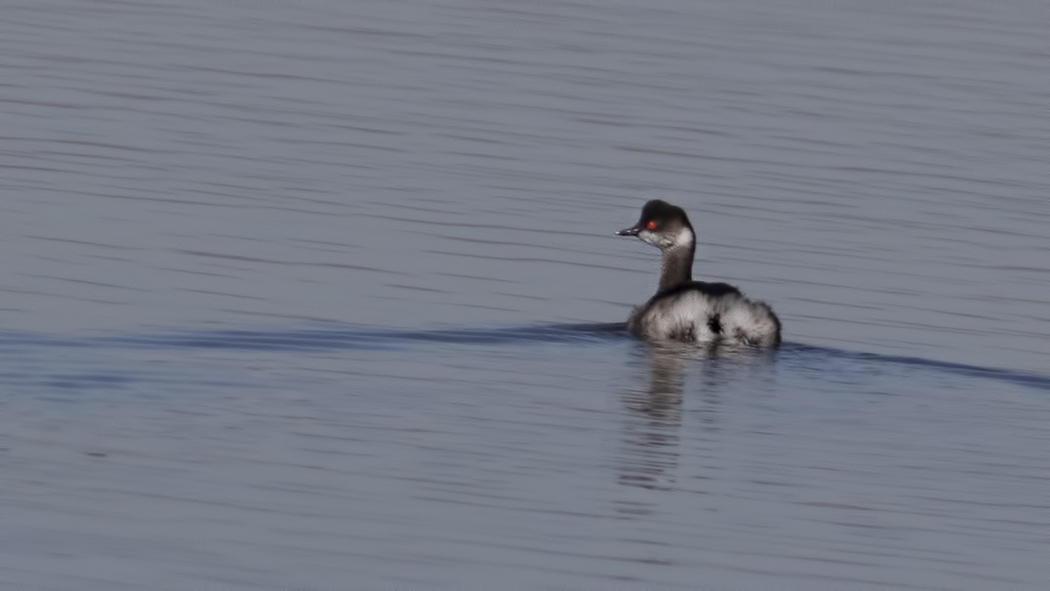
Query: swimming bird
[687, 310]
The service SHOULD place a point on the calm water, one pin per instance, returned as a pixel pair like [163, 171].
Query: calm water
[322, 294]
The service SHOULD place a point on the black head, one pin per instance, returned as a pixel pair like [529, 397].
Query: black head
[662, 225]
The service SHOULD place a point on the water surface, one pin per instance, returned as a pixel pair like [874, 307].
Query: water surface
[303, 295]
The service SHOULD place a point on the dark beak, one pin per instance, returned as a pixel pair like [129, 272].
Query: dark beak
[632, 231]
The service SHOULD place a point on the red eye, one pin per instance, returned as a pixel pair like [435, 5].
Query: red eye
[651, 225]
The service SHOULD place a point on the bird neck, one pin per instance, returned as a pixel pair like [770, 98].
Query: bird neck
[677, 267]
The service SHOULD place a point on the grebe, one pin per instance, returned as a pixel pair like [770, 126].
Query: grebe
[693, 311]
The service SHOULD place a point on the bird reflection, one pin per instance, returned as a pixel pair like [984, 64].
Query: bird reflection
[650, 453]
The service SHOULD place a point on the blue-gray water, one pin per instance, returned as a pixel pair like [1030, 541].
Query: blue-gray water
[324, 294]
